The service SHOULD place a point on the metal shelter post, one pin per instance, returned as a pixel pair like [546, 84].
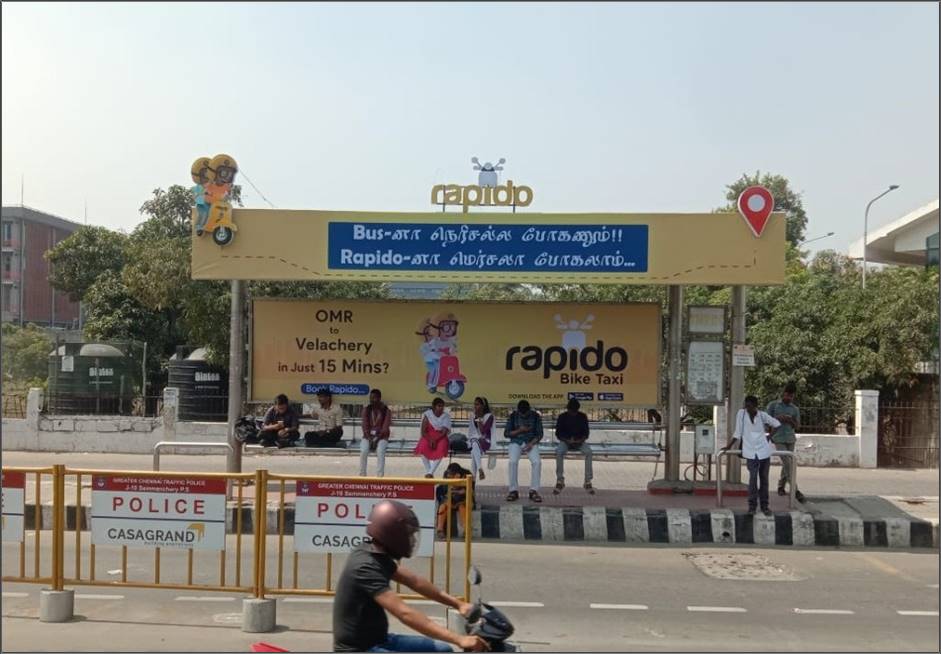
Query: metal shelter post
[737, 377]
[234, 456]
[672, 459]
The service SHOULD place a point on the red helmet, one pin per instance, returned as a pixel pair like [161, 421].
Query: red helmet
[394, 526]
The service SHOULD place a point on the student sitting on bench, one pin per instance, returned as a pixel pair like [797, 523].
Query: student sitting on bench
[280, 424]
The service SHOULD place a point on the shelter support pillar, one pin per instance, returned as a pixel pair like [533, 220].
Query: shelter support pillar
[236, 354]
[672, 459]
[737, 377]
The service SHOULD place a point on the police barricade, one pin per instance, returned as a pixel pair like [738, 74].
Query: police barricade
[35, 561]
[178, 516]
[185, 518]
[329, 520]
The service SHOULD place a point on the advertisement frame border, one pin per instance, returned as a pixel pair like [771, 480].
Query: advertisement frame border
[251, 324]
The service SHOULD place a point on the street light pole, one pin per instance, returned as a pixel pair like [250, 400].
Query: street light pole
[891, 188]
[811, 240]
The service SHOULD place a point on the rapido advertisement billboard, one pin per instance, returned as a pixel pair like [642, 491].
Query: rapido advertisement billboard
[607, 354]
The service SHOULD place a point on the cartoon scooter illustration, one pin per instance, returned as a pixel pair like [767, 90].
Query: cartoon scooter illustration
[449, 369]
[221, 172]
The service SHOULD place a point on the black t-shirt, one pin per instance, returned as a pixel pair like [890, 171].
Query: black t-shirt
[359, 623]
[571, 426]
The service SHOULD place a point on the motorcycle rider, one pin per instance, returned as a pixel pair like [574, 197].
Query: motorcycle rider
[364, 593]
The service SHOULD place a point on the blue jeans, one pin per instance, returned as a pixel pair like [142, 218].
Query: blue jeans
[400, 643]
[758, 482]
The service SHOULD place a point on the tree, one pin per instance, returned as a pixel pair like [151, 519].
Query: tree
[78, 260]
[822, 331]
[785, 199]
[25, 355]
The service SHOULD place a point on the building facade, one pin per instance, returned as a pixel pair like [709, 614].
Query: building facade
[27, 295]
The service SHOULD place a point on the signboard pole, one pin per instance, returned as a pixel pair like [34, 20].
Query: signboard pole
[737, 391]
[234, 457]
[672, 462]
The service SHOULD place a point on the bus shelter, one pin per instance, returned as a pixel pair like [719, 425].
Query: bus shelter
[613, 360]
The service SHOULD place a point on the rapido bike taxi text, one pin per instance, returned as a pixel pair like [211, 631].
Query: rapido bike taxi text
[505, 195]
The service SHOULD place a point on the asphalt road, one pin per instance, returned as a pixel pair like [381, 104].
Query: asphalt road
[560, 598]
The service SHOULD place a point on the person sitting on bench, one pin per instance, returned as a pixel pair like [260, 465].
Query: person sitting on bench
[433, 441]
[280, 425]
[376, 421]
[330, 421]
[571, 430]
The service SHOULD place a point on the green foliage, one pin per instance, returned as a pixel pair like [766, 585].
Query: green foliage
[493, 292]
[822, 331]
[144, 290]
[25, 355]
[78, 260]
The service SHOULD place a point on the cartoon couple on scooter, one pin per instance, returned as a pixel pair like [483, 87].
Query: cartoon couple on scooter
[439, 351]
[212, 193]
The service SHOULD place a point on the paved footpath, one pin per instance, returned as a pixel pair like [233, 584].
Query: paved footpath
[876, 507]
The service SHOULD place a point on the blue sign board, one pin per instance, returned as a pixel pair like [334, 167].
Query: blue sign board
[488, 248]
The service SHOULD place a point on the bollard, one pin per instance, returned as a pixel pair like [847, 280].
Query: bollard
[259, 615]
[56, 605]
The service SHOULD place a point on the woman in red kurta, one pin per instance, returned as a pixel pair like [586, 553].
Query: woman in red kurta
[433, 443]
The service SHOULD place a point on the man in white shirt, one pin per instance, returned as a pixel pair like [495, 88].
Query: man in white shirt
[330, 417]
[751, 431]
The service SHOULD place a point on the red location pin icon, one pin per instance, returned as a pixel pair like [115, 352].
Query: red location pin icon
[756, 204]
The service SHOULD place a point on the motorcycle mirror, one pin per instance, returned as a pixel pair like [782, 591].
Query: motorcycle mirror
[474, 576]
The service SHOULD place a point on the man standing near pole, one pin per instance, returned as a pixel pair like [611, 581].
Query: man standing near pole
[785, 437]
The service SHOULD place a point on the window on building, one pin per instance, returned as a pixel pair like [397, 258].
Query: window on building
[931, 249]
[7, 231]
[7, 264]
[7, 294]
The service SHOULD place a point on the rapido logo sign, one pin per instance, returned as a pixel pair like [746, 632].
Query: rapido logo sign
[574, 359]
[485, 193]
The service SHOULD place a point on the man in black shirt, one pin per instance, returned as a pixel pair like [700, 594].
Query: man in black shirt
[364, 592]
[571, 430]
[281, 423]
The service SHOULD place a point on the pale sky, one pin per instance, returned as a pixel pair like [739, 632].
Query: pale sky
[597, 107]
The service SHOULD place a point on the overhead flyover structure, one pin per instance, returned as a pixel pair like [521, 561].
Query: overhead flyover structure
[911, 240]
[673, 249]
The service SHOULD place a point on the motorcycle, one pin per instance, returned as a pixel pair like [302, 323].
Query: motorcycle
[489, 623]
[484, 621]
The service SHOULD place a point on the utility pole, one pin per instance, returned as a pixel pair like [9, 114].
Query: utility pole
[737, 390]
[672, 461]
[234, 458]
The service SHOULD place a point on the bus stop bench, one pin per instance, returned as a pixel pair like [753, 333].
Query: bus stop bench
[406, 447]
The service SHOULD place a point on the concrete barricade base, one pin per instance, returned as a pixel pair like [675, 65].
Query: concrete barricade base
[259, 615]
[56, 605]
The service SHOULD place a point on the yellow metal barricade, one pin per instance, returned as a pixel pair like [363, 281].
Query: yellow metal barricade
[32, 564]
[231, 568]
[274, 582]
[54, 536]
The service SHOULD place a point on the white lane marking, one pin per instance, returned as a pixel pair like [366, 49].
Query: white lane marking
[824, 611]
[933, 614]
[935, 586]
[184, 598]
[716, 609]
[92, 596]
[519, 605]
[11, 594]
[623, 607]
